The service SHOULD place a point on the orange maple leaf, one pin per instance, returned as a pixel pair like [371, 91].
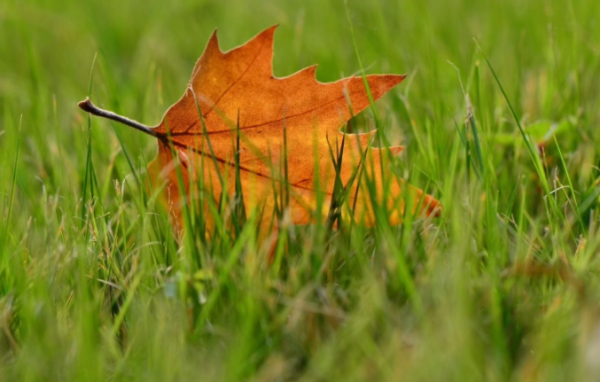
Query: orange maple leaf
[238, 123]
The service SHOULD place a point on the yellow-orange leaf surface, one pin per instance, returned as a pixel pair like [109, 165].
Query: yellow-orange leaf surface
[234, 94]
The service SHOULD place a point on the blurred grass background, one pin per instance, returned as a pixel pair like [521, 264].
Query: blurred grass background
[504, 286]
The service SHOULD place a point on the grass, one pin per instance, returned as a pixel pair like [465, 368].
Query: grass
[504, 286]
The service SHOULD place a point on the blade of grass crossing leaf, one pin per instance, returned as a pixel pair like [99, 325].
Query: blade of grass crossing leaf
[185, 204]
[240, 217]
[202, 200]
[284, 193]
[223, 196]
[336, 159]
[286, 169]
[210, 148]
[359, 174]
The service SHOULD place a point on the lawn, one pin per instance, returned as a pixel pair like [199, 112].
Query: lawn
[500, 116]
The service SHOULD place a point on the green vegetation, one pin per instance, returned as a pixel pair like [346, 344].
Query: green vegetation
[95, 285]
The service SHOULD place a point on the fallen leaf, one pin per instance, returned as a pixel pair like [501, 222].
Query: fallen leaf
[284, 131]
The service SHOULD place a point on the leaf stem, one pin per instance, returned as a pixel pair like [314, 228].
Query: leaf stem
[87, 105]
